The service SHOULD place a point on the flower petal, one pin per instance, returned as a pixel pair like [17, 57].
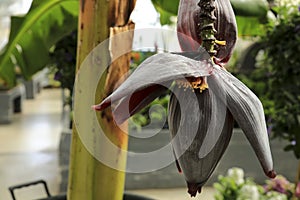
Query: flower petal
[186, 26]
[247, 111]
[218, 122]
[131, 104]
[190, 116]
[158, 69]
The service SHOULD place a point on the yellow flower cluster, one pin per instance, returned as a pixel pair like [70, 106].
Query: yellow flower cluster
[193, 83]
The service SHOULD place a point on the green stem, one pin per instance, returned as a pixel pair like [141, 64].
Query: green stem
[206, 27]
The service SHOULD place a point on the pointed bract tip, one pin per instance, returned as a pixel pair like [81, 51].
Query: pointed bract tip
[95, 107]
[101, 106]
[178, 166]
[271, 174]
[193, 188]
[192, 192]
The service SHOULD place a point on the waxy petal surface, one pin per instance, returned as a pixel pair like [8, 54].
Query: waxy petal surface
[248, 111]
[198, 144]
[158, 69]
[132, 104]
[186, 25]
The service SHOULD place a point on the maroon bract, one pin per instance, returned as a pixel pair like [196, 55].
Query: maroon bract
[204, 129]
[188, 28]
[150, 79]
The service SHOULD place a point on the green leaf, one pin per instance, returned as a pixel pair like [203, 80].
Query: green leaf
[33, 35]
[253, 8]
[166, 9]
[250, 15]
[250, 8]
[165, 17]
[249, 26]
[168, 6]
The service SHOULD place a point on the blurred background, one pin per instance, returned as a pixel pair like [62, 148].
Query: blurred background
[36, 101]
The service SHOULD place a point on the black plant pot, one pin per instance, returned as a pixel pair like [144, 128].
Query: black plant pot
[12, 189]
[126, 196]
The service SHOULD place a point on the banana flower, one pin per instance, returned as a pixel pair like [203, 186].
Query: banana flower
[205, 99]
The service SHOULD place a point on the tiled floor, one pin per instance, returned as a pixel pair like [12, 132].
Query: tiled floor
[28, 151]
[28, 146]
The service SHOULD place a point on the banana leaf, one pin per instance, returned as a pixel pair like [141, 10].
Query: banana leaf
[164, 16]
[250, 26]
[166, 9]
[168, 6]
[250, 16]
[250, 8]
[32, 35]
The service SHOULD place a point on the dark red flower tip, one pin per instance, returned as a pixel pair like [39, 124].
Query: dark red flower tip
[178, 166]
[193, 188]
[101, 106]
[271, 174]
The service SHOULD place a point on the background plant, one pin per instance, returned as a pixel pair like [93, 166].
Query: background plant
[275, 78]
[63, 62]
[283, 69]
[235, 186]
[30, 40]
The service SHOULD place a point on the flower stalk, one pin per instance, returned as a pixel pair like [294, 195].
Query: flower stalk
[206, 29]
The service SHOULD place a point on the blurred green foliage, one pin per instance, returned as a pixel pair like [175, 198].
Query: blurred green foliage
[250, 15]
[63, 63]
[166, 9]
[234, 186]
[275, 78]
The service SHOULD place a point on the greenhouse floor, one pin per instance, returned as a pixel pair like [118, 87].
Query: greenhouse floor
[29, 152]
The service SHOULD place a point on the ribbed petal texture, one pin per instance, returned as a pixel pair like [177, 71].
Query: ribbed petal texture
[248, 111]
[199, 141]
[158, 69]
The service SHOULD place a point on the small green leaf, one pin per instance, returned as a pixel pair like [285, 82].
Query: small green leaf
[167, 6]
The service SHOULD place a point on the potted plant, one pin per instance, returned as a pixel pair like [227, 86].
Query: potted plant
[27, 50]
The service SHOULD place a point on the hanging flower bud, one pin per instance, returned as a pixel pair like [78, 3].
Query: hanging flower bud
[205, 124]
[200, 126]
